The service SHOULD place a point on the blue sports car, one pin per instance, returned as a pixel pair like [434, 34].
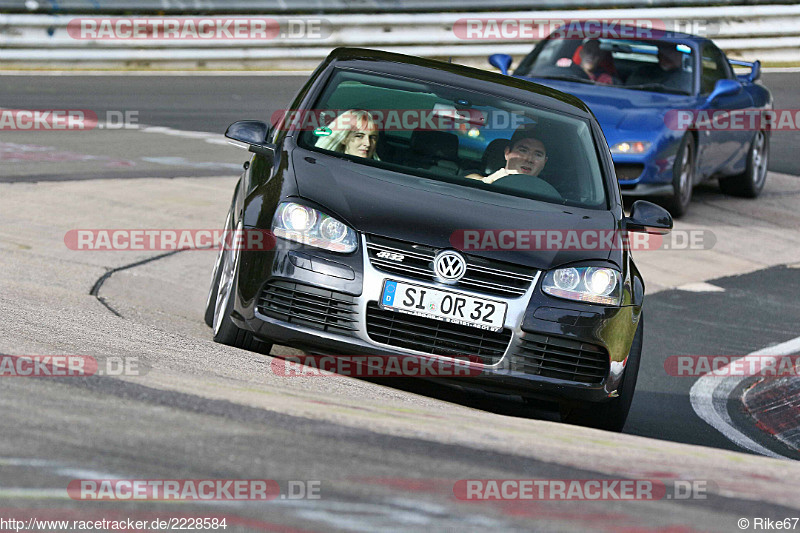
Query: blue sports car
[671, 108]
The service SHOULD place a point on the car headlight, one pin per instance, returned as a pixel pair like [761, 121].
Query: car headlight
[630, 147]
[596, 285]
[299, 223]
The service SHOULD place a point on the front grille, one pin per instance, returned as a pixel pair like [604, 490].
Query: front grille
[309, 306]
[483, 275]
[628, 171]
[434, 336]
[555, 357]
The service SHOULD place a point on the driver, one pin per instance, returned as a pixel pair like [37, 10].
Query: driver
[667, 71]
[591, 63]
[525, 154]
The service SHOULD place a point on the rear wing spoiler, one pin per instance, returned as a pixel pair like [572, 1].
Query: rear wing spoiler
[755, 69]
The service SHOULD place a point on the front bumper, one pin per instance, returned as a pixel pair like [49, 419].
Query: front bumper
[537, 327]
[643, 176]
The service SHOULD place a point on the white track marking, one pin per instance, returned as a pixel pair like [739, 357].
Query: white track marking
[709, 397]
[784, 348]
[700, 287]
[212, 138]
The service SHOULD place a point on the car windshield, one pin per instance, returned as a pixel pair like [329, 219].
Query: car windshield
[653, 65]
[456, 136]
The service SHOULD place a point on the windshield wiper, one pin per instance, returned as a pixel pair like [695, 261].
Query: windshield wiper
[660, 87]
[564, 78]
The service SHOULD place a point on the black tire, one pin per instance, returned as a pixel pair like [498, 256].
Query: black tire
[211, 300]
[683, 171]
[751, 182]
[225, 282]
[611, 415]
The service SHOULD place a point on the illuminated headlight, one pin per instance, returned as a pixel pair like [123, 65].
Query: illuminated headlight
[299, 223]
[587, 284]
[296, 217]
[631, 147]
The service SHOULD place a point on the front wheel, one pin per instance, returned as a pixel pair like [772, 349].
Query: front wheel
[750, 183]
[225, 331]
[211, 300]
[682, 178]
[611, 415]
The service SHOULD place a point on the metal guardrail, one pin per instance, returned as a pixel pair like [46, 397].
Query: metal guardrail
[770, 33]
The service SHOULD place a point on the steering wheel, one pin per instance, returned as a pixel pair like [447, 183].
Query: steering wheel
[529, 185]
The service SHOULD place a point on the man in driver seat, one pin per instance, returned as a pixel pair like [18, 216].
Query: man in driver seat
[667, 71]
[525, 154]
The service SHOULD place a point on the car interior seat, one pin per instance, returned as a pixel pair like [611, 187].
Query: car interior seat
[493, 158]
[434, 150]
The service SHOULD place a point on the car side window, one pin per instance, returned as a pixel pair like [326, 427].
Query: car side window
[714, 67]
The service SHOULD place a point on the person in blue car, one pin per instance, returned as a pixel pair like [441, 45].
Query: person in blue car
[667, 72]
[596, 63]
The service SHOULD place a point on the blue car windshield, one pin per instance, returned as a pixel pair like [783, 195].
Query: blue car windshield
[455, 136]
[660, 66]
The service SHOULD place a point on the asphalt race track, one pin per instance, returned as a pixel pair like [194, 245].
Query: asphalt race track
[384, 454]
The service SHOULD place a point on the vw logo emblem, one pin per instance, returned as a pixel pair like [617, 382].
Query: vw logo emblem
[450, 266]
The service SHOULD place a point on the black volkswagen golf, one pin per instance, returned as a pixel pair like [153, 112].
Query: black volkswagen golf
[437, 211]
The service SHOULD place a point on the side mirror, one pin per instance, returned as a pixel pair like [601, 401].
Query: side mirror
[501, 61]
[647, 217]
[724, 88]
[253, 134]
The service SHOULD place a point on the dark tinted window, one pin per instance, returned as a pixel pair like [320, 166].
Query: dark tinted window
[714, 67]
[647, 65]
[456, 136]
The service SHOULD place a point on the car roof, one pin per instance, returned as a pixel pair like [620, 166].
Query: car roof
[455, 74]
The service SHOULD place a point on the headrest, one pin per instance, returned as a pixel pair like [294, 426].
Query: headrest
[438, 144]
[494, 156]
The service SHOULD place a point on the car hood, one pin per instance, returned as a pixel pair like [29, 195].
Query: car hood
[621, 112]
[418, 210]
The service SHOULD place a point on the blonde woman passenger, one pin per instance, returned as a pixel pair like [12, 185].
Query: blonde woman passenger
[354, 132]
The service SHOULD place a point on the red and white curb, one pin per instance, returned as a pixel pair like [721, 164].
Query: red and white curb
[774, 403]
[710, 394]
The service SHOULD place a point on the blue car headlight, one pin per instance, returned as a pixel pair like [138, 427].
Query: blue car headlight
[303, 224]
[596, 285]
[630, 147]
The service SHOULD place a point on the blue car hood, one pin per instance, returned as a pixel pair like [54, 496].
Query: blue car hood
[622, 112]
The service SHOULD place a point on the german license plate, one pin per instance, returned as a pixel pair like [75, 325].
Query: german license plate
[442, 305]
